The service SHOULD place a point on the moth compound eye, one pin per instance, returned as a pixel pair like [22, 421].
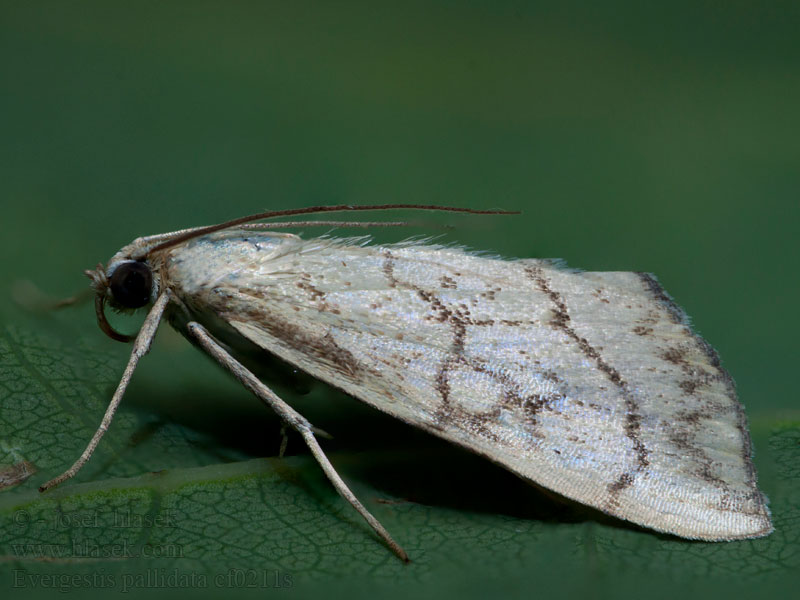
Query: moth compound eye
[131, 284]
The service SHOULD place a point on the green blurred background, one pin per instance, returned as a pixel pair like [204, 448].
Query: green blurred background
[633, 136]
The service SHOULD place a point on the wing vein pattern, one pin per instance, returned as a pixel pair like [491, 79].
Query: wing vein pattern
[591, 384]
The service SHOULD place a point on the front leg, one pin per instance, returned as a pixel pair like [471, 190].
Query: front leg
[295, 420]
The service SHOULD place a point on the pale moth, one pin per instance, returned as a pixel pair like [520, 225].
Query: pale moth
[592, 385]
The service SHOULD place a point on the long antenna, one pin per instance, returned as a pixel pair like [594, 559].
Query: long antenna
[318, 209]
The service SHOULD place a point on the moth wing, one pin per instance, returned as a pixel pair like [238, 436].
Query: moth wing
[590, 384]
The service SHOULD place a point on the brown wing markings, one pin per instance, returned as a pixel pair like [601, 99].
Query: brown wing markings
[322, 347]
[729, 501]
[449, 412]
[654, 288]
[695, 375]
[682, 435]
[633, 417]
[444, 414]
[513, 398]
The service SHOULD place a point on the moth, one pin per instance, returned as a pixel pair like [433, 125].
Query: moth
[593, 385]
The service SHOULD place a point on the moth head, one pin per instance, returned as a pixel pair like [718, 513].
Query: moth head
[126, 285]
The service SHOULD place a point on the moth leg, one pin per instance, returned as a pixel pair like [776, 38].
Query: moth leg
[284, 441]
[140, 347]
[296, 421]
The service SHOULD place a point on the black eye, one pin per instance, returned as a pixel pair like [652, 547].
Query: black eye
[131, 284]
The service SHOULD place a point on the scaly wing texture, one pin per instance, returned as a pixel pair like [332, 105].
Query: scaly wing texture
[590, 384]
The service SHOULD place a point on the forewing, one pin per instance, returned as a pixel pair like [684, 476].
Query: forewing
[590, 384]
